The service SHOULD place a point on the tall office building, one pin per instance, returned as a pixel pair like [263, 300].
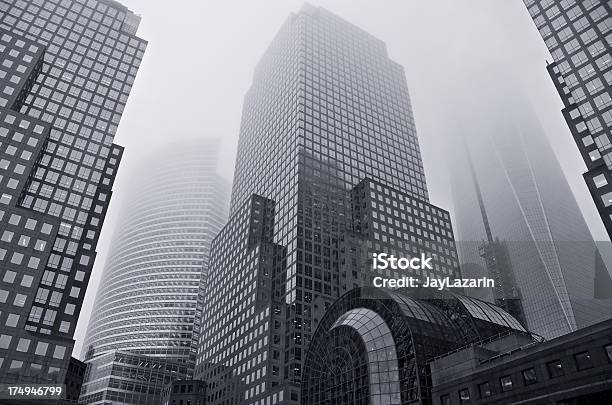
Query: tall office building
[144, 328]
[516, 215]
[578, 35]
[66, 71]
[328, 170]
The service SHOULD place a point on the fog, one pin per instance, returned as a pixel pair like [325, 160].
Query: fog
[202, 53]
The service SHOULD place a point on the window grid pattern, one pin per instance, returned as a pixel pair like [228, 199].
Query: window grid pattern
[327, 108]
[26, 237]
[578, 35]
[83, 58]
[399, 224]
[246, 363]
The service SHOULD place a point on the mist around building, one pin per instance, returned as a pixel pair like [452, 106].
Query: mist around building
[326, 271]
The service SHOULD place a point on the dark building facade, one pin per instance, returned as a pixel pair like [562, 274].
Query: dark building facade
[373, 345]
[328, 171]
[66, 71]
[578, 35]
[574, 369]
[185, 392]
[385, 219]
[74, 380]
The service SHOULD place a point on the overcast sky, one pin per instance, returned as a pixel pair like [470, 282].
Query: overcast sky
[201, 56]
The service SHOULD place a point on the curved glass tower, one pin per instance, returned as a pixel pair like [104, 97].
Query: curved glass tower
[148, 308]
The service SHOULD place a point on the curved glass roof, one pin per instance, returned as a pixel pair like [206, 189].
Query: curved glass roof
[425, 327]
[420, 310]
[489, 312]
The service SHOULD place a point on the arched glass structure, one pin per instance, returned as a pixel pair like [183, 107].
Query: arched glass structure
[380, 354]
[372, 346]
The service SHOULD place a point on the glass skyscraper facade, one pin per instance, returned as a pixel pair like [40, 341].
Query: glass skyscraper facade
[66, 71]
[516, 216]
[144, 328]
[578, 34]
[328, 170]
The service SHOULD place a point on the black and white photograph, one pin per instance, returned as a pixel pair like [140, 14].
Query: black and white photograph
[320, 202]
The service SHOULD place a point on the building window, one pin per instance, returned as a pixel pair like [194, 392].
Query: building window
[484, 389]
[464, 396]
[5, 341]
[608, 350]
[529, 376]
[594, 155]
[600, 181]
[445, 400]
[583, 361]
[555, 369]
[506, 383]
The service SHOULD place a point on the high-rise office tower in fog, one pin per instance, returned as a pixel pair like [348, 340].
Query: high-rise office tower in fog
[66, 70]
[146, 317]
[328, 168]
[516, 216]
[578, 35]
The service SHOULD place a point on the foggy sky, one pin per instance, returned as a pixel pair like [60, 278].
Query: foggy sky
[201, 56]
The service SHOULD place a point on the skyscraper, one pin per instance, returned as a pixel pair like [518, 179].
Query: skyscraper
[66, 72]
[516, 215]
[147, 313]
[578, 35]
[328, 170]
